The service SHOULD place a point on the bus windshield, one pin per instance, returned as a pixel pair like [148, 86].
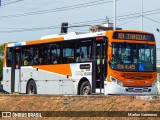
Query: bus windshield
[133, 57]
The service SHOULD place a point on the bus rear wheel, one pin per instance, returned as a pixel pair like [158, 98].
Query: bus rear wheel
[31, 87]
[85, 88]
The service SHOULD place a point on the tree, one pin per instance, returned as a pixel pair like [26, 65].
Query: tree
[1, 60]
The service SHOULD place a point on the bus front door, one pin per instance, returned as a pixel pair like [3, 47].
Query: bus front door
[99, 65]
[15, 70]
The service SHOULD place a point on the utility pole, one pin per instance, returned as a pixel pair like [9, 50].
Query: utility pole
[114, 13]
[142, 15]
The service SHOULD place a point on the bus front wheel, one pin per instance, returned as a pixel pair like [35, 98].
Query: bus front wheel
[31, 87]
[85, 88]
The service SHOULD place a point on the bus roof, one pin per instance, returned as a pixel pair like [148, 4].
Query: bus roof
[74, 35]
[68, 36]
[58, 37]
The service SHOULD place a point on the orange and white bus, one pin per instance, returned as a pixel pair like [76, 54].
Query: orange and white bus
[108, 62]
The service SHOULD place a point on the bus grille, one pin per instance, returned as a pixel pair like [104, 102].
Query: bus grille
[138, 90]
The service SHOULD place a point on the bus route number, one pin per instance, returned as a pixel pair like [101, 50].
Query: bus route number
[120, 36]
[126, 67]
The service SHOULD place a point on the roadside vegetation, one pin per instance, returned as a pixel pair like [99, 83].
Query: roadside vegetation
[1, 60]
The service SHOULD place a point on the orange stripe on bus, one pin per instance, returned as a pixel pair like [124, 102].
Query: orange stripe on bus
[63, 69]
[45, 41]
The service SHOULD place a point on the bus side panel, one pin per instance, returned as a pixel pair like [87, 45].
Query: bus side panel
[46, 82]
[4, 79]
[7, 79]
[17, 81]
[40, 78]
[28, 73]
[23, 84]
[67, 81]
[78, 72]
[52, 83]
[52, 87]
[41, 86]
[68, 87]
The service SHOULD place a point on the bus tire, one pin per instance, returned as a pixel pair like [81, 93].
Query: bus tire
[31, 87]
[85, 88]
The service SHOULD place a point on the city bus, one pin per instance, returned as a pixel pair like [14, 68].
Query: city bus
[106, 62]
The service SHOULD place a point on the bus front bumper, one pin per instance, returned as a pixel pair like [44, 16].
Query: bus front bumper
[112, 88]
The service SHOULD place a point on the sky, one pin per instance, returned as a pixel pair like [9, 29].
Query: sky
[18, 19]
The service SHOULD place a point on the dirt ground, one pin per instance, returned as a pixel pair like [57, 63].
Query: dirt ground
[79, 103]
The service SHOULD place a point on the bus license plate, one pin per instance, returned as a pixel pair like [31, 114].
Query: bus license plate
[138, 90]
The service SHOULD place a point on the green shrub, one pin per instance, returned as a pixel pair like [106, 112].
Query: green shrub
[1, 60]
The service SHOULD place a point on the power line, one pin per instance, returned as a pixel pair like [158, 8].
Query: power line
[70, 7]
[79, 24]
[74, 7]
[78, 5]
[129, 21]
[11, 2]
[151, 19]
[85, 23]
[31, 29]
[119, 18]
[145, 13]
[6, 0]
[93, 3]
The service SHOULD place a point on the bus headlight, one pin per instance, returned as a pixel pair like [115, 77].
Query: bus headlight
[116, 81]
[119, 83]
[154, 83]
[113, 79]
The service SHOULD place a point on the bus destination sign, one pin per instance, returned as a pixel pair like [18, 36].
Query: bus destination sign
[133, 36]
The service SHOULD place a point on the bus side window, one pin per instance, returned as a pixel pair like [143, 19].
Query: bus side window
[68, 52]
[27, 55]
[9, 57]
[83, 51]
[54, 53]
[39, 55]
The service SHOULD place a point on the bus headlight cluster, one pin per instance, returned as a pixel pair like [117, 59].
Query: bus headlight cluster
[116, 81]
[154, 83]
